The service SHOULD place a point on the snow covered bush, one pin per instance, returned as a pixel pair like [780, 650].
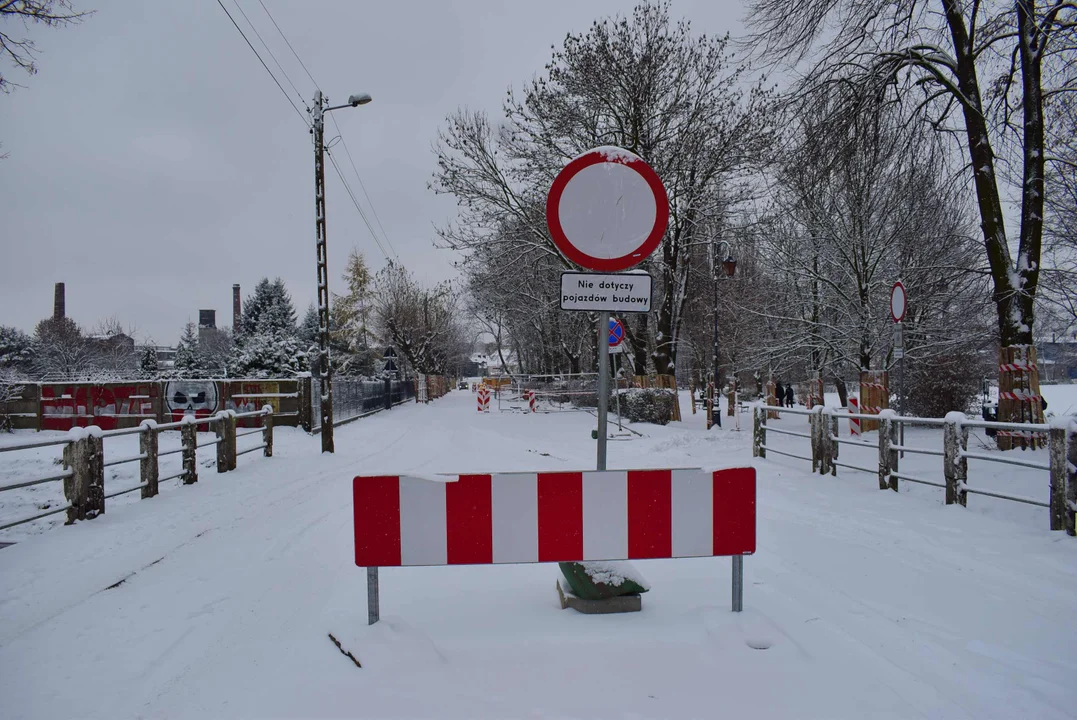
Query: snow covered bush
[650, 405]
[948, 383]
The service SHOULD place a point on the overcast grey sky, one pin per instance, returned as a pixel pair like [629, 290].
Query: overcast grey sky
[152, 161]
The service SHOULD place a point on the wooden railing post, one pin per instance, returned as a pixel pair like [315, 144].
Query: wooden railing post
[220, 430]
[816, 428]
[230, 423]
[189, 440]
[85, 489]
[833, 445]
[886, 423]
[1071, 481]
[954, 464]
[759, 432]
[267, 431]
[304, 386]
[1059, 474]
[149, 472]
[895, 430]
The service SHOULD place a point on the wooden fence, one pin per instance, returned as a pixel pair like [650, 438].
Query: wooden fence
[84, 463]
[825, 443]
[122, 405]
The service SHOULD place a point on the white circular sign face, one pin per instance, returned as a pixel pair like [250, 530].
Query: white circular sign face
[607, 208]
[897, 302]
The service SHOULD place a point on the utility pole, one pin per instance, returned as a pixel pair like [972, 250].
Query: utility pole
[729, 266]
[717, 409]
[324, 367]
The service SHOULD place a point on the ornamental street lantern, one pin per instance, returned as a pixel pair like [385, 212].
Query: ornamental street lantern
[729, 265]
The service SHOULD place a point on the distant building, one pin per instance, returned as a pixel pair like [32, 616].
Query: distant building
[1057, 361]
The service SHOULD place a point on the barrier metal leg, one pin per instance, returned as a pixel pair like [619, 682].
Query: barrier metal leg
[373, 606]
[738, 583]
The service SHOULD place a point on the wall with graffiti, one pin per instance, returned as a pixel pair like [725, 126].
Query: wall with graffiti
[62, 406]
[109, 406]
[202, 398]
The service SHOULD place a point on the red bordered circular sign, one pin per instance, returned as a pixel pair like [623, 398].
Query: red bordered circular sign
[897, 301]
[607, 210]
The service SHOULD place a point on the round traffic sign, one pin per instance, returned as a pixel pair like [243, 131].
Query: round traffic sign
[607, 210]
[897, 301]
[617, 332]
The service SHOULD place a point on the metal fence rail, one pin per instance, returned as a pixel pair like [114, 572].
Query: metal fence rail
[355, 398]
[825, 441]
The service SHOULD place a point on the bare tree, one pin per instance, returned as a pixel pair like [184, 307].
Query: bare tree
[10, 390]
[977, 63]
[423, 325]
[644, 83]
[20, 51]
[863, 199]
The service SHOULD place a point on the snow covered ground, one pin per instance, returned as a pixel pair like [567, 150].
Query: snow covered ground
[215, 600]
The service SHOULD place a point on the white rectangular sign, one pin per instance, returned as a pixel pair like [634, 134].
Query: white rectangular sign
[615, 292]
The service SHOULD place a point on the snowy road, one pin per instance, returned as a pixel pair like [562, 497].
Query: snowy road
[869, 603]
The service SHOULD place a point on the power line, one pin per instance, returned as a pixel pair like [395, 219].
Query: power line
[288, 43]
[370, 202]
[253, 50]
[355, 202]
[274, 57]
[340, 133]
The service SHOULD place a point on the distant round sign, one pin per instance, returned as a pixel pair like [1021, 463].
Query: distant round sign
[617, 332]
[607, 210]
[897, 302]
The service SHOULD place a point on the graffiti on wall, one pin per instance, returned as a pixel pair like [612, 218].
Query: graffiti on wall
[120, 405]
[190, 397]
[202, 398]
[66, 406]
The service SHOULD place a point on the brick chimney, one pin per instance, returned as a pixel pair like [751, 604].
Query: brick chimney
[59, 309]
[236, 309]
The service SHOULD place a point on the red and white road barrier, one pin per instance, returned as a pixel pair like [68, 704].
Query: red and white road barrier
[531, 400]
[483, 399]
[854, 423]
[554, 517]
[1018, 395]
[1016, 367]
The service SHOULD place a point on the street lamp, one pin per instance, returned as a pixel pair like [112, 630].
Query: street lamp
[324, 368]
[729, 266]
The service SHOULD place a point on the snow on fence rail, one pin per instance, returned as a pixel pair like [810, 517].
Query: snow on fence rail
[825, 443]
[84, 459]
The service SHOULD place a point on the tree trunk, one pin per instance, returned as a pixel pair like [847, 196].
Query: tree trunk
[843, 392]
[1014, 328]
[1031, 42]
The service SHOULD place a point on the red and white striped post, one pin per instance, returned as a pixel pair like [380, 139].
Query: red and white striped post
[553, 517]
[854, 423]
[531, 400]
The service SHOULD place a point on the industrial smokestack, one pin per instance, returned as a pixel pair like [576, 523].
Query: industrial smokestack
[59, 309]
[235, 309]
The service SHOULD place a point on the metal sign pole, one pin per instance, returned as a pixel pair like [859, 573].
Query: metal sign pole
[617, 388]
[899, 354]
[738, 583]
[603, 383]
[373, 604]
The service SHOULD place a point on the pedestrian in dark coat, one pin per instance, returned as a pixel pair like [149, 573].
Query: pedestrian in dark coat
[779, 393]
[789, 396]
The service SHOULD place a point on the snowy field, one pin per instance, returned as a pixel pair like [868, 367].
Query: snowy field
[215, 600]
